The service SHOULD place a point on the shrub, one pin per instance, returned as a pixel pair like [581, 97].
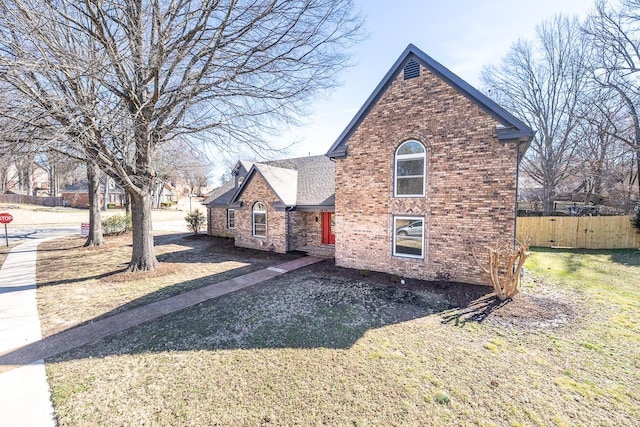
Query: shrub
[165, 204]
[195, 221]
[116, 224]
[442, 398]
[111, 205]
[636, 218]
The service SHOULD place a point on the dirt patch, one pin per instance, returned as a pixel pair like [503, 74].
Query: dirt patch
[534, 311]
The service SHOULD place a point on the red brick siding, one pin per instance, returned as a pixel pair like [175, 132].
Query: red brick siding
[217, 222]
[470, 190]
[297, 229]
[258, 191]
[313, 222]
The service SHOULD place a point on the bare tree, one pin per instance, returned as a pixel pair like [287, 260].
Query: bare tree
[540, 82]
[58, 166]
[164, 69]
[601, 155]
[614, 33]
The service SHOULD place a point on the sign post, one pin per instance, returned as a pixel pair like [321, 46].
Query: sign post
[6, 218]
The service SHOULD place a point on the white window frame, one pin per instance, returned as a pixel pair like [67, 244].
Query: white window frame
[229, 212]
[259, 208]
[417, 156]
[393, 230]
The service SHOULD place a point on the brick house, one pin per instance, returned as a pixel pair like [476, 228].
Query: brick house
[76, 195]
[426, 170]
[281, 206]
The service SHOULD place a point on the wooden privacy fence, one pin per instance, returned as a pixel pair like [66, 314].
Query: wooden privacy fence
[585, 232]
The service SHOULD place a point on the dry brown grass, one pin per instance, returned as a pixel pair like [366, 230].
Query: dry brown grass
[78, 284]
[325, 346]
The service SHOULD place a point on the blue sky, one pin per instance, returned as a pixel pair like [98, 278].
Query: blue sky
[463, 35]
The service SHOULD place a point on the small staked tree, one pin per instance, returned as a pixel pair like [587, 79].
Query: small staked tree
[125, 76]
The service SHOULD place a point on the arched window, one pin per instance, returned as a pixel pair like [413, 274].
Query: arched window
[259, 219]
[410, 169]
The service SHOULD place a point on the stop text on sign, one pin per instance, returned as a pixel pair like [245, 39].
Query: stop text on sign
[5, 218]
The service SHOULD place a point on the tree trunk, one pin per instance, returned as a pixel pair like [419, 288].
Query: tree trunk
[106, 193]
[549, 199]
[95, 237]
[127, 203]
[143, 257]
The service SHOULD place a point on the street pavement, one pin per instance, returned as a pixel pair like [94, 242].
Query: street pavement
[17, 234]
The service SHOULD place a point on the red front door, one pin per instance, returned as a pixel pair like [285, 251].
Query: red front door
[328, 228]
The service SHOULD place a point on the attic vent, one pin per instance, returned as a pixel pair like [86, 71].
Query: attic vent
[411, 70]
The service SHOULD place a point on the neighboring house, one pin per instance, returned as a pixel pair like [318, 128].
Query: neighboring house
[281, 205]
[167, 195]
[77, 195]
[425, 171]
[34, 181]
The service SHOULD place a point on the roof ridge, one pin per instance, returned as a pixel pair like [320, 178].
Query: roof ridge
[338, 148]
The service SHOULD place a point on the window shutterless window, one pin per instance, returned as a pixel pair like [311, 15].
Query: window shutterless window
[408, 236]
[231, 219]
[410, 169]
[259, 219]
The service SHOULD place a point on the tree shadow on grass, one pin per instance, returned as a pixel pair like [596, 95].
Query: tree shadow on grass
[204, 248]
[79, 279]
[320, 306]
[476, 311]
[575, 257]
[628, 257]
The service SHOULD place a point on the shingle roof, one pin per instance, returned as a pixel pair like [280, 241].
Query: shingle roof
[222, 195]
[316, 179]
[283, 182]
[512, 128]
[303, 181]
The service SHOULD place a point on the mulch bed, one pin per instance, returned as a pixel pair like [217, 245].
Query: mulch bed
[541, 308]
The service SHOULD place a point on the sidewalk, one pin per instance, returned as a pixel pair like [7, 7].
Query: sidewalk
[22, 349]
[24, 393]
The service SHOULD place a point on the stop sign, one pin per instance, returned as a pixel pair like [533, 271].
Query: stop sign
[5, 218]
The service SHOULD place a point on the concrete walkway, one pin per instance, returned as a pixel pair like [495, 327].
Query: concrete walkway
[24, 393]
[25, 399]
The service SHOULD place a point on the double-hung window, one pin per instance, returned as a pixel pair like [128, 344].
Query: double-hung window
[259, 219]
[231, 219]
[410, 169]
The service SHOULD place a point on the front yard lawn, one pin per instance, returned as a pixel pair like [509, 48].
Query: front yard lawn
[328, 346]
[77, 284]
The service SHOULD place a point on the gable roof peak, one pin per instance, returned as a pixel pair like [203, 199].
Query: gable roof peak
[518, 130]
